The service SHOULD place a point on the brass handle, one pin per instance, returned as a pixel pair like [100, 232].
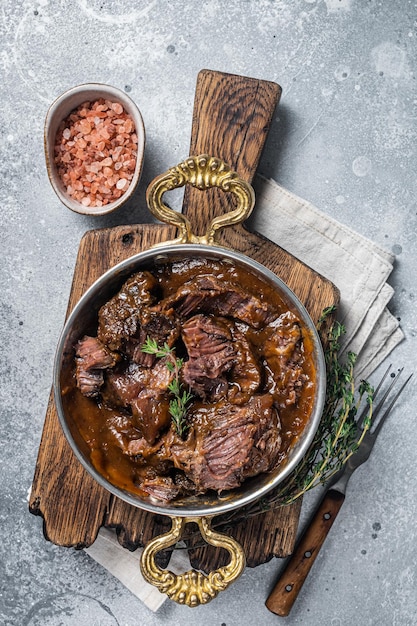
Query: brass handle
[202, 172]
[192, 588]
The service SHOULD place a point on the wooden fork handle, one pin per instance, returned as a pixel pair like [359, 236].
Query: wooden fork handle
[285, 592]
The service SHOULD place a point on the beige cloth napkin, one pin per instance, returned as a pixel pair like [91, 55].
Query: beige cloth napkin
[124, 565]
[357, 266]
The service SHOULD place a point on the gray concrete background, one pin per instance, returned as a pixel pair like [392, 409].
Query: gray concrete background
[343, 137]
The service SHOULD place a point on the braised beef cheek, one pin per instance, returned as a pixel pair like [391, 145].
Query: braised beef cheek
[228, 341]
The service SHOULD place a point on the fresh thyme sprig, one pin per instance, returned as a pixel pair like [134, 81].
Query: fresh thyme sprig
[178, 404]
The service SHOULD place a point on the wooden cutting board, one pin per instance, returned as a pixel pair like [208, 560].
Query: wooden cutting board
[231, 119]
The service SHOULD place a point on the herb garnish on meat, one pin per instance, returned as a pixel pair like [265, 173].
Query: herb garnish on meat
[178, 404]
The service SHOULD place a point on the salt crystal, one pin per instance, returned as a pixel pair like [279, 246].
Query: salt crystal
[86, 201]
[66, 133]
[117, 108]
[103, 133]
[121, 183]
[95, 167]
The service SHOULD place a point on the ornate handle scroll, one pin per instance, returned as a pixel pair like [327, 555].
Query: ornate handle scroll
[202, 172]
[192, 588]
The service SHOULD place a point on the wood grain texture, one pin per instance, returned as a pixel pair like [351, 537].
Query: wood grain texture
[231, 119]
[262, 537]
[286, 590]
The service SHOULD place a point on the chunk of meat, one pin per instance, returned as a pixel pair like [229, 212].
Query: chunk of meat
[164, 328]
[245, 375]
[283, 352]
[91, 358]
[161, 488]
[208, 341]
[150, 411]
[230, 443]
[140, 447]
[221, 361]
[123, 384]
[89, 383]
[143, 390]
[208, 294]
[119, 318]
[93, 354]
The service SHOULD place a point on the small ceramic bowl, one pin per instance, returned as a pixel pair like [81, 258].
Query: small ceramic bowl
[59, 110]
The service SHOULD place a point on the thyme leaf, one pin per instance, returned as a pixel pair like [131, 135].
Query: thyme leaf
[178, 404]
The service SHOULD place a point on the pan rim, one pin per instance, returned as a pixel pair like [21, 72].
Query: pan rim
[197, 506]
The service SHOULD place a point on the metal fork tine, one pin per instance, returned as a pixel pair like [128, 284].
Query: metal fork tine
[382, 418]
[363, 414]
[381, 401]
[381, 382]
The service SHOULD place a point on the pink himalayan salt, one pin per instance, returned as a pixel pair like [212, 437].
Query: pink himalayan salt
[95, 152]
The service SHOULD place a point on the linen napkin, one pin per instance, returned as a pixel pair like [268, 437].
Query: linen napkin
[124, 565]
[357, 266]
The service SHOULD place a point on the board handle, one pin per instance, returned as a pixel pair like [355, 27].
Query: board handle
[201, 172]
[193, 587]
[232, 116]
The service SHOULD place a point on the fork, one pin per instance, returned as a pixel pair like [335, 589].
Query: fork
[291, 580]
